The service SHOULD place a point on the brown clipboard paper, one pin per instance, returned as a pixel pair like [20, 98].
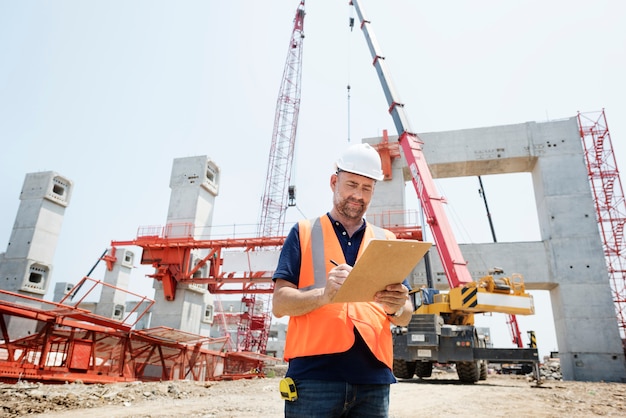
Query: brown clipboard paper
[383, 262]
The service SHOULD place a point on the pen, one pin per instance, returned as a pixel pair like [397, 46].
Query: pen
[334, 262]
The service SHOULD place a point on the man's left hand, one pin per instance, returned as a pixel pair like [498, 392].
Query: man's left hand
[393, 297]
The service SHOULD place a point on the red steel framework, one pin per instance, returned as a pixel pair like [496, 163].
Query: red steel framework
[608, 195]
[171, 256]
[71, 343]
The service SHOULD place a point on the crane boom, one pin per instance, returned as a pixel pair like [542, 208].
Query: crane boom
[275, 196]
[442, 326]
[454, 265]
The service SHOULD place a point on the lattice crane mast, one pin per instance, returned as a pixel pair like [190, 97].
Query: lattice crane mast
[278, 194]
[253, 328]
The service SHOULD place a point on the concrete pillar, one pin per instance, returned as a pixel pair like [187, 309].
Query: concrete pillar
[195, 184]
[61, 289]
[584, 313]
[112, 303]
[389, 205]
[26, 266]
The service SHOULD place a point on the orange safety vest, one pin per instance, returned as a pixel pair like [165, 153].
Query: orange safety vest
[330, 328]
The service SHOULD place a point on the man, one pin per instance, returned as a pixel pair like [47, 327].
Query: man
[340, 354]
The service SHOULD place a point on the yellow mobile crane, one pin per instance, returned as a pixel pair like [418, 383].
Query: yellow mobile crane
[442, 328]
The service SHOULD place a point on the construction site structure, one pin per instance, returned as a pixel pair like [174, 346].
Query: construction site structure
[183, 300]
[278, 193]
[91, 331]
[568, 261]
[516, 334]
[194, 185]
[26, 266]
[442, 327]
[608, 194]
[113, 298]
[571, 268]
[71, 341]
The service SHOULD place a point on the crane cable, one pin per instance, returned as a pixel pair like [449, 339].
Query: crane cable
[351, 23]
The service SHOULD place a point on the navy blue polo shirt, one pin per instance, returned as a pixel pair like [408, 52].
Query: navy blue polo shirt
[357, 365]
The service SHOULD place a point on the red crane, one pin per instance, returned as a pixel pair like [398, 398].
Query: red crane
[454, 264]
[278, 194]
[253, 329]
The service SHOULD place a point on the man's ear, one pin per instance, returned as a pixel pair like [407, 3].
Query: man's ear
[333, 181]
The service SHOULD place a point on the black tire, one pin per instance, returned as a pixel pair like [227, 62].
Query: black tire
[484, 370]
[483, 364]
[527, 368]
[468, 371]
[424, 368]
[403, 369]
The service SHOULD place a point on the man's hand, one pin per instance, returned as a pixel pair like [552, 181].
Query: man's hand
[289, 300]
[336, 277]
[393, 298]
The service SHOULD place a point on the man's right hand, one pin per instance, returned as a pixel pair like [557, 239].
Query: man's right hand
[289, 300]
[336, 277]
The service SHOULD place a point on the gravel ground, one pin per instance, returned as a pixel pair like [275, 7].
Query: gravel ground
[441, 396]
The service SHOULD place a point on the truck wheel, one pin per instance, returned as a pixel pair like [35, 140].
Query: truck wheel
[403, 369]
[484, 365]
[527, 368]
[468, 371]
[424, 368]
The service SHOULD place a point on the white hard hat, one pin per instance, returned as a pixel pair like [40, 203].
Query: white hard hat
[361, 159]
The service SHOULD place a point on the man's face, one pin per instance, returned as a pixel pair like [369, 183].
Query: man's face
[351, 194]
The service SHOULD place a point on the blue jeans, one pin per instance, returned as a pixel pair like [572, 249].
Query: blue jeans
[322, 399]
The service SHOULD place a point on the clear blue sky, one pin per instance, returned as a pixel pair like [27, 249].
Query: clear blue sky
[108, 93]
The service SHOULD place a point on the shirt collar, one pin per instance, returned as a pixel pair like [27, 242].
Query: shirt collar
[340, 225]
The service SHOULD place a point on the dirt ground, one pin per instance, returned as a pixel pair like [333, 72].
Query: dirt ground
[440, 396]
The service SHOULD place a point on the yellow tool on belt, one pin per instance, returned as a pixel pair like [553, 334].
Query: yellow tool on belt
[288, 389]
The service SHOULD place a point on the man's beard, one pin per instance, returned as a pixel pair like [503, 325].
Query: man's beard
[350, 211]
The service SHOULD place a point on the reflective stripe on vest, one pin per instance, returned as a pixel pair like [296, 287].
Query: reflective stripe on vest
[317, 249]
[330, 328]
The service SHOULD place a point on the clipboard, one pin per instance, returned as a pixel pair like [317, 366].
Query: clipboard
[383, 262]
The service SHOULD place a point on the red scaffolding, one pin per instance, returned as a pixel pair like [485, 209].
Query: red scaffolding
[71, 343]
[608, 196]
